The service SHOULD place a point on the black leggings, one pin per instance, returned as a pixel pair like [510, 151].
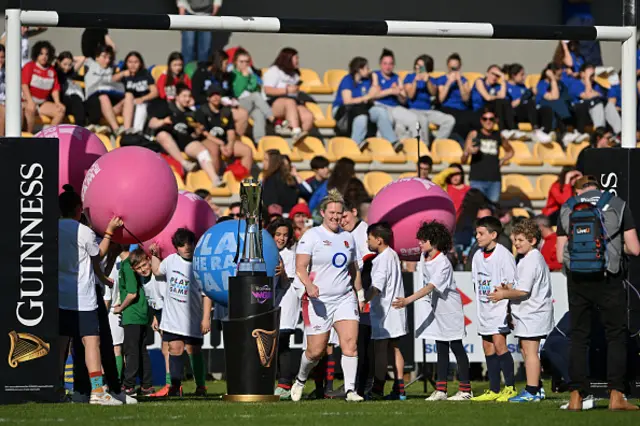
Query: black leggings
[75, 107]
[285, 360]
[94, 110]
[466, 120]
[443, 360]
[381, 356]
[365, 358]
[582, 116]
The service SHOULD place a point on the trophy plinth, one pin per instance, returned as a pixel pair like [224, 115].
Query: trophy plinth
[251, 330]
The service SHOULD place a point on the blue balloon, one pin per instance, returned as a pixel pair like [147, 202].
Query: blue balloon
[213, 258]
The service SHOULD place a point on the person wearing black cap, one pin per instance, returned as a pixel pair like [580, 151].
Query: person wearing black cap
[219, 135]
[594, 283]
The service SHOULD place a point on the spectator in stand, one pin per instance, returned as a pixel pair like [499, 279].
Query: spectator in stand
[524, 106]
[355, 191]
[72, 94]
[27, 33]
[353, 105]
[246, 88]
[552, 92]
[454, 94]
[483, 147]
[389, 93]
[282, 87]
[320, 167]
[303, 186]
[93, 38]
[235, 210]
[177, 131]
[196, 45]
[214, 71]
[219, 133]
[173, 76]
[300, 216]
[343, 171]
[601, 138]
[567, 56]
[547, 246]
[104, 91]
[279, 185]
[456, 187]
[560, 192]
[3, 93]
[40, 87]
[420, 87]
[615, 91]
[425, 166]
[491, 93]
[590, 103]
[140, 89]
[578, 12]
[363, 208]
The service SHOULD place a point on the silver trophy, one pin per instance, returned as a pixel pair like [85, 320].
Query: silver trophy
[252, 260]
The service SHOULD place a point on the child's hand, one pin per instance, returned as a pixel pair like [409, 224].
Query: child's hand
[497, 295]
[399, 303]
[154, 250]
[205, 325]
[154, 324]
[117, 309]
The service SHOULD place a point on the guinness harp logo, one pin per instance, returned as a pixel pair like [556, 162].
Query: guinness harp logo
[26, 347]
[266, 343]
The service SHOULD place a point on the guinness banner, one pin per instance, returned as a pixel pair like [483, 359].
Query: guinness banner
[29, 361]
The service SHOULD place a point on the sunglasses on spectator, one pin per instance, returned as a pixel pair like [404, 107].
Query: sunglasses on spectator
[488, 118]
[243, 61]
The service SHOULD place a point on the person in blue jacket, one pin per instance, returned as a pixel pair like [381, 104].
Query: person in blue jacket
[454, 94]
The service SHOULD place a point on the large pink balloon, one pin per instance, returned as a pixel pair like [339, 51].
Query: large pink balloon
[193, 213]
[78, 149]
[405, 204]
[135, 184]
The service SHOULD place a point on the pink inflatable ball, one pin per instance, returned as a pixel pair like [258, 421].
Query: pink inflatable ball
[78, 149]
[193, 213]
[135, 184]
[405, 204]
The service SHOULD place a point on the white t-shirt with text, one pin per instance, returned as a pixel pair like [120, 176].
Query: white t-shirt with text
[533, 314]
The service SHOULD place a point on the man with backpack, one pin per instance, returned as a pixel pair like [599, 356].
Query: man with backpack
[595, 230]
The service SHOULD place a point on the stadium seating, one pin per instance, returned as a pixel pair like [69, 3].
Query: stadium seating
[375, 181]
[306, 174]
[574, 149]
[447, 150]
[311, 83]
[319, 120]
[520, 212]
[179, 181]
[544, 182]
[522, 156]
[516, 185]
[408, 175]
[199, 180]
[552, 154]
[276, 142]
[410, 148]
[382, 151]
[333, 77]
[308, 147]
[345, 147]
[472, 76]
[106, 141]
[157, 71]
[256, 155]
[402, 74]
[532, 81]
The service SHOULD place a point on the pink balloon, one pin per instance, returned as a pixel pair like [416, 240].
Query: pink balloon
[193, 213]
[135, 184]
[405, 204]
[78, 149]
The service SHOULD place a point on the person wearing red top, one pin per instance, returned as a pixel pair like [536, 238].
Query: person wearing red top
[174, 75]
[40, 87]
[456, 188]
[560, 192]
[548, 245]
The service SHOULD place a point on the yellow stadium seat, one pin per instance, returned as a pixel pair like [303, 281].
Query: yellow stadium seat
[200, 180]
[402, 74]
[381, 150]
[574, 149]
[256, 156]
[552, 154]
[516, 185]
[544, 182]
[532, 81]
[603, 81]
[319, 120]
[157, 71]
[447, 150]
[522, 156]
[520, 212]
[306, 174]
[26, 135]
[276, 142]
[408, 175]
[437, 74]
[472, 76]
[375, 181]
[106, 141]
[311, 82]
[309, 147]
[345, 147]
[525, 127]
[410, 148]
[233, 184]
[333, 77]
[179, 181]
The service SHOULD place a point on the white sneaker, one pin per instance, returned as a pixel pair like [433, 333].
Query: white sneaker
[587, 403]
[461, 396]
[553, 136]
[352, 396]
[437, 396]
[582, 137]
[103, 399]
[507, 134]
[296, 390]
[541, 136]
[124, 398]
[189, 166]
[569, 138]
[519, 135]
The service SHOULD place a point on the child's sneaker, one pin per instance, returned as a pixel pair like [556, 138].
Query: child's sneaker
[284, 394]
[396, 396]
[461, 396]
[103, 398]
[542, 394]
[352, 396]
[487, 396]
[525, 396]
[507, 393]
[164, 391]
[437, 396]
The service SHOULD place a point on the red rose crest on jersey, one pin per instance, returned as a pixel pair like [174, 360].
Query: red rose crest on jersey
[346, 244]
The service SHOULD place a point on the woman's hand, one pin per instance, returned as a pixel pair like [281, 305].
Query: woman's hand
[312, 290]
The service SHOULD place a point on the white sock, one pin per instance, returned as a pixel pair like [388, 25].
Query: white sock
[306, 365]
[296, 130]
[349, 369]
